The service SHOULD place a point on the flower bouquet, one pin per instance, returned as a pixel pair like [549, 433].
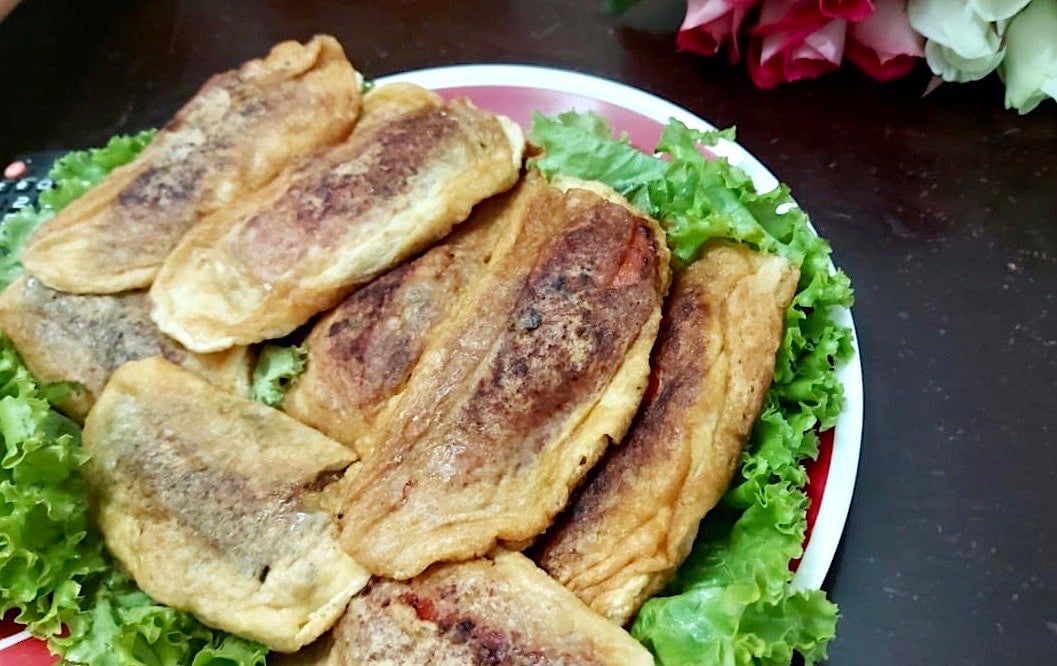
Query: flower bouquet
[960, 40]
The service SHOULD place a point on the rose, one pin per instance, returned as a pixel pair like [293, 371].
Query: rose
[796, 40]
[962, 45]
[968, 39]
[1030, 66]
[709, 23]
[996, 10]
[883, 44]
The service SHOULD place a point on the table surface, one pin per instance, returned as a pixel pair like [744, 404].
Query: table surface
[942, 208]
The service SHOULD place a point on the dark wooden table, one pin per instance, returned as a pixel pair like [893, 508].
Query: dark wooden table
[943, 209]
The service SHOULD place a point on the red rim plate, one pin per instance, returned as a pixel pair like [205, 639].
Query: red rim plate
[489, 87]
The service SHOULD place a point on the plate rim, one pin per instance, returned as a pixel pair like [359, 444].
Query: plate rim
[833, 510]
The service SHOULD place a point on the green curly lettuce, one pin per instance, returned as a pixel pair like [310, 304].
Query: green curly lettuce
[55, 573]
[120, 625]
[47, 547]
[277, 368]
[731, 602]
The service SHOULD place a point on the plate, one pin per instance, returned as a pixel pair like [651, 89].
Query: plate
[518, 90]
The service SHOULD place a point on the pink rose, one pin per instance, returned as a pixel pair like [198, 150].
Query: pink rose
[709, 23]
[852, 10]
[802, 39]
[795, 40]
[883, 44]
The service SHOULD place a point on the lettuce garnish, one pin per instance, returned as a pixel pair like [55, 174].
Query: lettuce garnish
[277, 368]
[54, 570]
[731, 602]
[47, 547]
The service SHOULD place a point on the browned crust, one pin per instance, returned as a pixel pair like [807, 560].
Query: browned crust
[522, 388]
[214, 504]
[412, 169]
[316, 212]
[635, 520]
[84, 338]
[361, 354]
[483, 612]
[230, 139]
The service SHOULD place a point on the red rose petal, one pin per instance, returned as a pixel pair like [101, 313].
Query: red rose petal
[795, 19]
[794, 41]
[766, 74]
[853, 10]
[741, 10]
[807, 68]
[785, 24]
[876, 67]
[885, 45]
[709, 25]
[704, 39]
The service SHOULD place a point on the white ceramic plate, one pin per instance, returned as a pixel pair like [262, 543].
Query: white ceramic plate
[517, 91]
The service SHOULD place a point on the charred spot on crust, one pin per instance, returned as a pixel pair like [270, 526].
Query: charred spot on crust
[463, 631]
[114, 329]
[529, 320]
[473, 621]
[395, 156]
[491, 648]
[338, 327]
[357, 314]
[675, 363]
[573, 323]
[159, 187]
[391, 160]
[373, 339]
[319, 206]
[254, 107]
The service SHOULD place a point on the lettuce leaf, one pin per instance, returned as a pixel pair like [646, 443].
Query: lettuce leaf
[47, 546]
[121, 625]
[731, 601]
[72, 174]
[277, 368]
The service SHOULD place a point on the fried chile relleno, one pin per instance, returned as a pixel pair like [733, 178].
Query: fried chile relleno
[634, 521]
[218, 505]
[233, 137]
[412, 169]
[535, 370]
[498, 610]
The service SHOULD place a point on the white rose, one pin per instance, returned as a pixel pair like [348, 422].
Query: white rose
[1030, 66]
[947, 64]
[996, 10]
[961, 46]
